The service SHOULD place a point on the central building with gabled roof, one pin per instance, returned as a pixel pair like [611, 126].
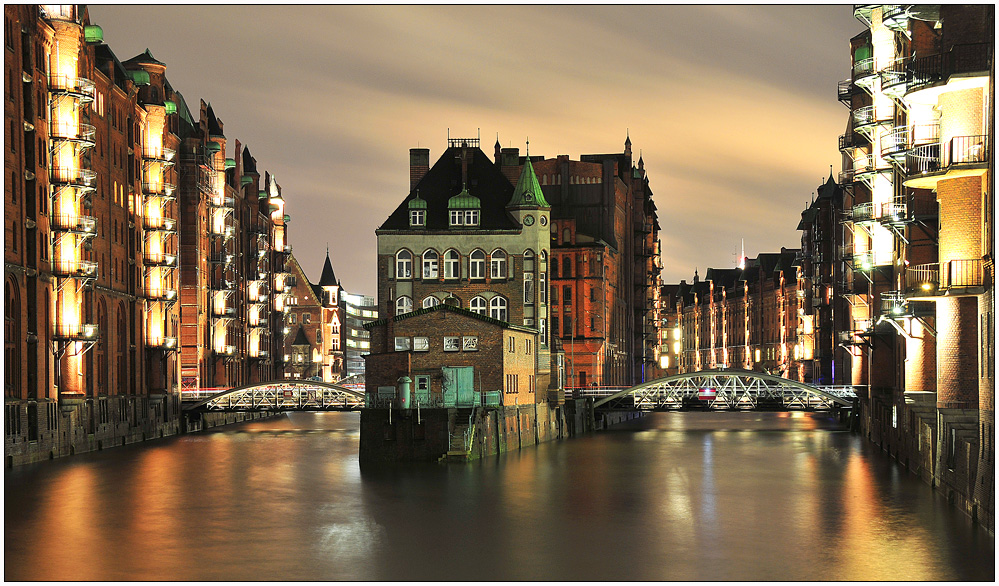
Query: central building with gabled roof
[466, 236]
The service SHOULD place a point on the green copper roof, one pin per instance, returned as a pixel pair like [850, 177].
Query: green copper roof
[417, 202]
[464, 201]
[93, 33]
[139, 77]
[528, 190]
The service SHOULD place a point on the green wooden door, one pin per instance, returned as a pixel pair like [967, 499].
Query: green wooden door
[459, 388]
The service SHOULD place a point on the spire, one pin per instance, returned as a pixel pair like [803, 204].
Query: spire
[327, 279]
[528, 190]
[627, 144]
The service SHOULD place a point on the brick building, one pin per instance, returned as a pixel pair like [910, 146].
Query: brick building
[605, 267]
[118, 204]
[466, 236]
[314, 340]
[918, 166]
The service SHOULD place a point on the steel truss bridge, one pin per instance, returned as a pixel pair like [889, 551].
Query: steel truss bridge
[279, 395]
[731, 389]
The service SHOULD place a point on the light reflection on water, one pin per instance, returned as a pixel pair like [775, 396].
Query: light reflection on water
[694, 496]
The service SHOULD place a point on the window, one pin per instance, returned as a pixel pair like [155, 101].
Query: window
[430, 264]
[306, 318]
[542, 331]
[457, 217]
[403, 305]
[543, 287]
[421, 344]
[431, 301]
[477, 265]
[593, 293]
[497, 308]
[471, 217]
[319, 336]
[527, 347]
[423, 383]
[402, 344]
[452, 343]
[497, 264]
[555, 329]
[528, 288]
[404, 265]
[478, 305]
[417, 217]
[566, 294]
[293, 318]
[511, 344]
[451, 265]
[470, 343]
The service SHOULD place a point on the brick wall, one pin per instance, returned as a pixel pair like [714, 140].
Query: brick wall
[957, 353]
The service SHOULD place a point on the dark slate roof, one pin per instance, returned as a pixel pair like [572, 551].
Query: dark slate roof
[146, 57]
[445, 307]
[807, 217]
[443, 181]
[213, 123]
[723, 277]
[187, 121]
[317, 290]
[249, 163]
[327, 279]
[300, 339]
[106, 61]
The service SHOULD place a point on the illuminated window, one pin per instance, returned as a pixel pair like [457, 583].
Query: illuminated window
[430, 264]
[403, 265]
[497, 264]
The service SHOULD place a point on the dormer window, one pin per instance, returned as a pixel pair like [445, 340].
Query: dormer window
[463, 209]
[471, 217]
[417, 218]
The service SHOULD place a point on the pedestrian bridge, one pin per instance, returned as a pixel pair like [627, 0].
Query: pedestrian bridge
[731, 389]
[278, 395]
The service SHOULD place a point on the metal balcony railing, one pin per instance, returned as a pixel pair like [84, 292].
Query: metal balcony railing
[80, 88]
[933, 69]
[894, 304]
[224, 311]
[863, 212]
[73, 177]
[895, 17]
[79, 332]
[922, 279]
[165, 343]
[866, 118]
[844, 91]
[159, 154]
[935, 157]
[894, 77]
[962, 274]
[158, 189]
[863, 72]
[159, 224]
[78, 269]
[74, 223]
[159, 259]
[161, 294]
[83, 134]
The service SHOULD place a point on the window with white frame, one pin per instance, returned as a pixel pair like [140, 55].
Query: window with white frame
[452, 343]
[404, 265]
[457, 217]
[478, 305]
[451, 264]
[421, 344]
[477, 265]
[528, 288]
[543, 331]
[471, 217]
[423, 384]
[431, 301]
[430, 264]
[417, 217]
[497, 308]
[497, 264]
[543, 287]
[403, 305]
[402, 344]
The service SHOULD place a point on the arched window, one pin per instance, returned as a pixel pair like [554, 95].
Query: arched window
[430, 264]
[544, 179]
[497, 264]
[565, 236]
[404, 265]
[497, 308]
[451, 265]
[478, 305]
[403, 305]
[431, 301]
[477, 265]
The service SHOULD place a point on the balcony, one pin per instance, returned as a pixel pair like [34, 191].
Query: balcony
[84, 135]
[904, 210]
[75, 269]
[934, 70]
[955, 277]
[221, 258]
[76, 332]
[226, 350]
[73, 177]
[166, 343]
[849, 141]
[894, 304]
[225, 201]
[866, 118]
[160, 294]
[960, 156]
[224, 312]
[159, 189]
[161, 155]
[79, 88]
[866, 167]
[74, 223]
[864, 73]
[159, 224]
[866, 261]
[864, 213]
[894, 77]
[159, 259]
[895, 17]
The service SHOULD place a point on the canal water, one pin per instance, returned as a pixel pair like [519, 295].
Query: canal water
[674, 496]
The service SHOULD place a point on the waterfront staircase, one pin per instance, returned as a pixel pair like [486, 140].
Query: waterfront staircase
[462, 436]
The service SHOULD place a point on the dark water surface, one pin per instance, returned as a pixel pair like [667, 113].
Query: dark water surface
[691, 496]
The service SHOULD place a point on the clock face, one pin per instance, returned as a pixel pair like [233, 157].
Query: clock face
[544, 220]
[528, 220]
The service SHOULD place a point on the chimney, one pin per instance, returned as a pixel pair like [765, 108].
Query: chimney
[419, 165]
[510, 164]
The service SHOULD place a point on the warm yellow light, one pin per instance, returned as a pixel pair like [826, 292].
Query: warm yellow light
[927, 286]
[676, 333]
[676, 347]
[664, 361]
[757, 355]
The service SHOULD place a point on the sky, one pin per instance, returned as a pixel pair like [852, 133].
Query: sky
[733, 108]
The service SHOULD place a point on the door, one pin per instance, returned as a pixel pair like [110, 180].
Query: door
[459, 389]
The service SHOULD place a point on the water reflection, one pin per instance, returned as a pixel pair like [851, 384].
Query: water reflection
[695, 496]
